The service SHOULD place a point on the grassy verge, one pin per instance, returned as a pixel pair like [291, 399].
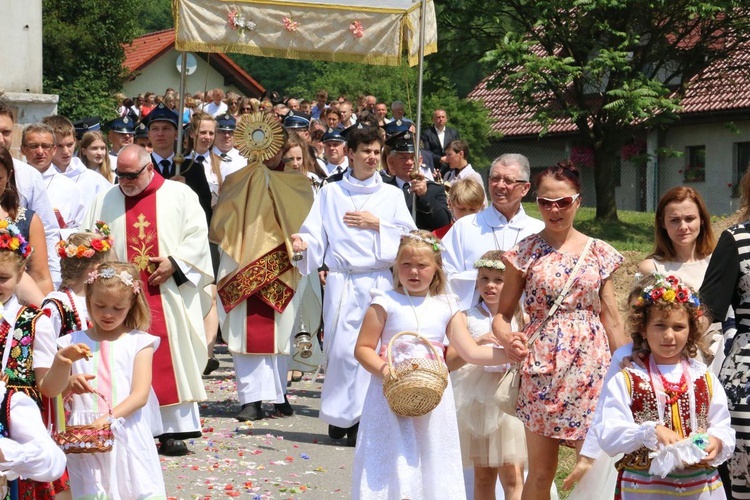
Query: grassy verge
[634, 231]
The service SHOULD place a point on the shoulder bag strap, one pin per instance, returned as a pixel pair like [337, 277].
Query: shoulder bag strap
[563, 292]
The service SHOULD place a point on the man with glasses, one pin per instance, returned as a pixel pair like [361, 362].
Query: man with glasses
[31, 192]
[38, 146]
[158, 225]
[498, 227]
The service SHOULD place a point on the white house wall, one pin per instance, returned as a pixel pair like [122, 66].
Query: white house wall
[163, 74]
[719, 140]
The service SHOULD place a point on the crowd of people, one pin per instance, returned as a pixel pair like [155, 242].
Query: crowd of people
[120, 266]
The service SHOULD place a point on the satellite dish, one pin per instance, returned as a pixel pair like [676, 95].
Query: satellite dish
[190, 66]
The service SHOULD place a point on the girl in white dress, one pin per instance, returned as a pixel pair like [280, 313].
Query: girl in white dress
[113, 358]
[412, 457]
[493, 443]
[669, 418]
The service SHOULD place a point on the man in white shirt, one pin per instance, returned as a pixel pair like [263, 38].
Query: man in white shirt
[224, 144]
[347, 118]
[335, 146]
[64, 160]
[31, 193]
[498, 227]
[216, 107]
[38, 146]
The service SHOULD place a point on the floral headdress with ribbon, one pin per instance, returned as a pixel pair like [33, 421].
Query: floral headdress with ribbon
[101, 244]
[667, 289]
[12, 240]
[433, 241]
[108, 273]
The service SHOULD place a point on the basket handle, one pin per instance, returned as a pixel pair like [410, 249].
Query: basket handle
[102, 396]
[389, 350]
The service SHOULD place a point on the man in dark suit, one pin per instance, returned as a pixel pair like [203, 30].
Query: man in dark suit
[432, 205]
[437, 137]
[162, 131]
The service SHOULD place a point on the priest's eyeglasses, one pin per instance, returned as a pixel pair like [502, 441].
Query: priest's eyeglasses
[131, 176]
[560, 203]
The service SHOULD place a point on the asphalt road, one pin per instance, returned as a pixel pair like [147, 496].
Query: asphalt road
[274, 458]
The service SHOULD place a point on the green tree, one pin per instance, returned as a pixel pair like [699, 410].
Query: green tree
[83, 54]
[611, 66]
[153, 15]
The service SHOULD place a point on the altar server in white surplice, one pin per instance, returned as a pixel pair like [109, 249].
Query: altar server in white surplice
[354, 228]
[159, 226]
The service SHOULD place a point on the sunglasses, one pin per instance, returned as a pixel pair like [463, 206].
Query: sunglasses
[131, 175]
[560, 203]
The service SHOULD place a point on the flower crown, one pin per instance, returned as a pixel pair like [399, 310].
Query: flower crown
[123, 276]
[668, 289]
[12, 239]
[489, 264]
[102, 244]
[433, 242]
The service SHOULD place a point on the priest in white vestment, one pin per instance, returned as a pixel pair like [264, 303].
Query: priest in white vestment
[160, 226]
[354, 228]
[498, 227]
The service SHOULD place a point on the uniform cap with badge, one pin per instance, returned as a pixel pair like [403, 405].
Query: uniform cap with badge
[296, 120]
[84, 125]
[226, 122]
[141, 131]
[402, 142]
[122, 125]
[161, 113]
[333, 134]
[396, 126]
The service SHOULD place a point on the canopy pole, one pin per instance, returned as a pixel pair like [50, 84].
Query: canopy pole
[178, 159]
[418, 131]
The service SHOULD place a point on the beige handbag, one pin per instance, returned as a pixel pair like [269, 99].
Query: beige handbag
[506, 395]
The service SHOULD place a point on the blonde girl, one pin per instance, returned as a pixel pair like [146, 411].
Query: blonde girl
[412, 457]
[492, 443]
[79, 256]
[110, 364]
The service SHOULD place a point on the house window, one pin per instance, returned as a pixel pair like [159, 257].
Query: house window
[695, 169]
[742, 155]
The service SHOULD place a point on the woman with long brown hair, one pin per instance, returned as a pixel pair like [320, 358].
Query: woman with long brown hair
[683, 238]
[296, 156]
[93, 154]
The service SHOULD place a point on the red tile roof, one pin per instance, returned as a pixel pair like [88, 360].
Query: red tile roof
[146, 49]
[722, 87]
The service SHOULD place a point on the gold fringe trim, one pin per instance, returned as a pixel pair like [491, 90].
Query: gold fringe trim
[315, 6]
[254, 50]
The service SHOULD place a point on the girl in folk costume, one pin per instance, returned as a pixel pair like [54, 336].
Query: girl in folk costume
[31, 337]
[110, 364]
[669, 418]
[79, 256]
[412, 457]
[492, 442]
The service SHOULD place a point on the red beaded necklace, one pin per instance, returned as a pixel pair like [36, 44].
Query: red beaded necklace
[673, 390]
[79, 323]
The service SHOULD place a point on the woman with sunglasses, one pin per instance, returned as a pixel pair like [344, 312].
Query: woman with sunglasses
[562, 375]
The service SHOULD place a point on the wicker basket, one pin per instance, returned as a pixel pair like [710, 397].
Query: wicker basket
[415, 386]
[86, 438]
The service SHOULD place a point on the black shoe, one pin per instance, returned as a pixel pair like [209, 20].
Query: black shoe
[173, 448]
[296, 378]
[336, 432]
[284, 408]
[351, 435]
[250, 411]
[211, 365]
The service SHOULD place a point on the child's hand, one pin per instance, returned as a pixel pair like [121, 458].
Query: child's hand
[666, 436]
[487, 339]
[79, 383]
[73, 353]
[638, 358]
[713, 449]
[582, 467]
[101, 420]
